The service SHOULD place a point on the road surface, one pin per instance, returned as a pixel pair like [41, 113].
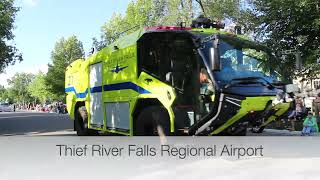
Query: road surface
[52, 124]
[32, 123]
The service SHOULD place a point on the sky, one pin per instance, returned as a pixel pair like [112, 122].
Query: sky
[41, 23]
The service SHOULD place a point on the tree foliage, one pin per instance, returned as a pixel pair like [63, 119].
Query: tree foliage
[4, 94]
[38, 89]
[221, 9]
[18, 90]
[8, 52]
[286, 25]
[65, 52]
[148, 13]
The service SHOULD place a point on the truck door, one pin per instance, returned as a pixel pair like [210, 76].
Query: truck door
[96, 104]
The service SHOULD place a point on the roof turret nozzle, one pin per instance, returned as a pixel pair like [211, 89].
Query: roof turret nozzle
[204, 22]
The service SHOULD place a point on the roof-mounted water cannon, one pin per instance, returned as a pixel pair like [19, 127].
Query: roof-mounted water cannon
[204, 22]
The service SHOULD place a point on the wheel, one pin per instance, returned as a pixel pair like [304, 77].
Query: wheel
[81, 123]
[152, 121]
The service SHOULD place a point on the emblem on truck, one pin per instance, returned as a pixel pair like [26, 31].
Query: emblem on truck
[118, 68]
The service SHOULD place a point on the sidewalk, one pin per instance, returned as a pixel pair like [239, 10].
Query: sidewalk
[30, 111]
[276, 132]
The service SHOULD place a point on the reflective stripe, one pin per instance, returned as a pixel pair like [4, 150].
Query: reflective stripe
[79, 95]
[125, 85]
[110, 87]
[96, 89]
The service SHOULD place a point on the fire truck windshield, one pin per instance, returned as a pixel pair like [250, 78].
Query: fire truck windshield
[239, 61]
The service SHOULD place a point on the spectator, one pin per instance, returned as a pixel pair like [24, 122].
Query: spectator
[309, 125]
[316, 107]
[206, 91]
[292, 113]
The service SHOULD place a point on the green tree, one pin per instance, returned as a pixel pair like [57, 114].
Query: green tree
[3, 94]
[144, 13]
[18, 88]
[222, 9]
[179, 11]
[64, 53]
[38, 89]
[97, 45]
[112, 29]
[286, 25]
[8, 53]
[138, 13]
[159, 10]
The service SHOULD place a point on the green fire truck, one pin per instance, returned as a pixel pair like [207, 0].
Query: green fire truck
[149, 83]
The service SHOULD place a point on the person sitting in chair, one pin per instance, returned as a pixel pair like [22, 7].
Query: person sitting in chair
[206, 89]
[309, 125]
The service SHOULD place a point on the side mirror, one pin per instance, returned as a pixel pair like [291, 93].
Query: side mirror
[214, 57]
[169, 77]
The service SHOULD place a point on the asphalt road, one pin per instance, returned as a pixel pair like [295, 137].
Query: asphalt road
[51, 124]
[32, 123]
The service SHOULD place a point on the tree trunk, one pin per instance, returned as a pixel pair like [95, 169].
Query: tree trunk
[202, 7]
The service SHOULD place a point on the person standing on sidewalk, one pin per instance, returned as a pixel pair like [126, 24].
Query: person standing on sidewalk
[316, 107]
[292, 113]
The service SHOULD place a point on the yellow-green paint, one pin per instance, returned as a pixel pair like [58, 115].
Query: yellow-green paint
[215, 31]
[159, 90]
[247, 105]
[77, 76]
[280, 108]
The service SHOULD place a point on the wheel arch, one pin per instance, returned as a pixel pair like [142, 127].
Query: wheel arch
[141, 104]
[76, 107]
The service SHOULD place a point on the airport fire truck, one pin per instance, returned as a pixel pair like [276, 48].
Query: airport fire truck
[149, 83]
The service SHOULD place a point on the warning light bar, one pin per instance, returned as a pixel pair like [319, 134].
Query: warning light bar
[170, 28]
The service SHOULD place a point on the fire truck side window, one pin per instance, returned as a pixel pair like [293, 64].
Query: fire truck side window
[151, 54]
[162, 53]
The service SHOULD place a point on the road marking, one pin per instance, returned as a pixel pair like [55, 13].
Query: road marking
[67, 132]
[9, 117]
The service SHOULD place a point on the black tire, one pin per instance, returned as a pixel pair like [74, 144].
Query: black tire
[81, 123]
[151, 120]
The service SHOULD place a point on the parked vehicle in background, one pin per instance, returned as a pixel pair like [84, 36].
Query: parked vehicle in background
[6, 107]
